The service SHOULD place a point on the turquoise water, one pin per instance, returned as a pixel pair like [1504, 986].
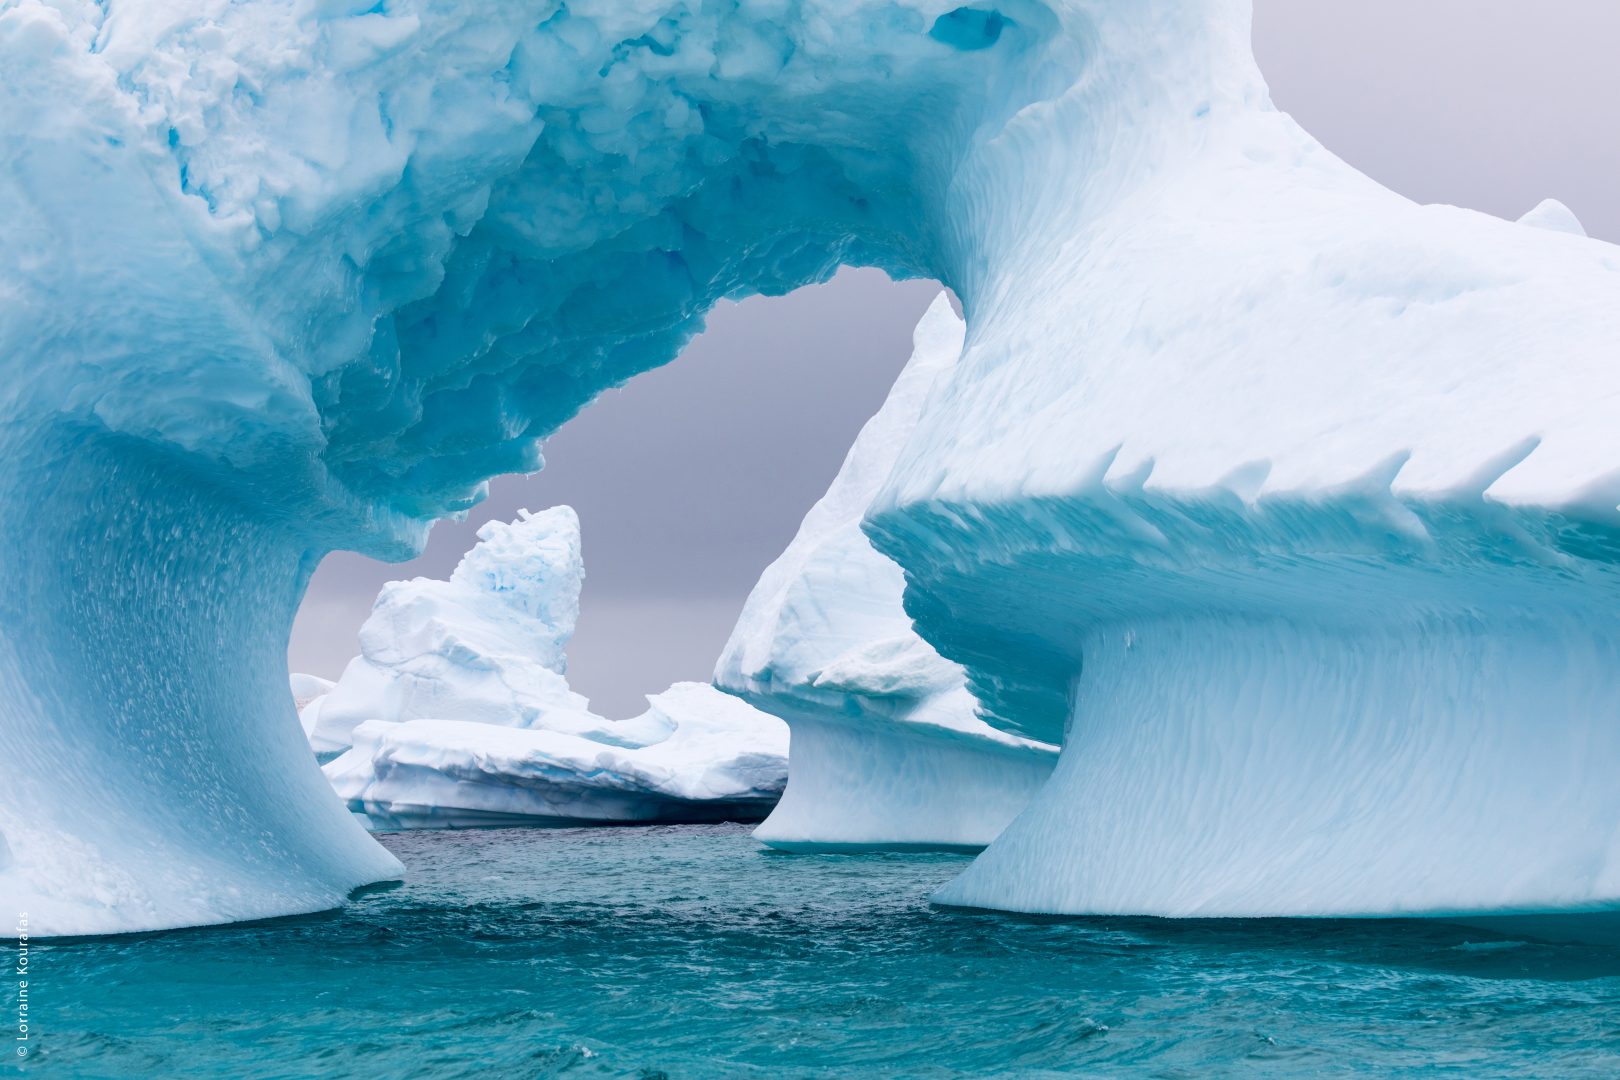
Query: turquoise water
[689, 951]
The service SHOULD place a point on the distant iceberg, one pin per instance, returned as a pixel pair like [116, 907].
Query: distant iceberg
[309, 694]
[709, 757]
[458, 712]
[489, 645]
[1554, 216]
[887, 749]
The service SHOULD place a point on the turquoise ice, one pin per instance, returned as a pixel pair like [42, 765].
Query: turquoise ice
[1287, 506]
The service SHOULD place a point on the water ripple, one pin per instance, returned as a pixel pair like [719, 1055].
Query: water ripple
[690, 952]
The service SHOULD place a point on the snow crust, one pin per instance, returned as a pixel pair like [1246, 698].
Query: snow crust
[486, 646]
[284, 276]
[887, 750]
[1554, 215]
[458, 710]
[709, 757]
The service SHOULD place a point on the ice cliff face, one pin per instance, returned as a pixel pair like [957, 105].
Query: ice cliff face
[1286, 505]
[458, 710]
[1304, 543]
[887, 750]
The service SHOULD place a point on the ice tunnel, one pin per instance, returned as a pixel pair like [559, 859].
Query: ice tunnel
[1287, 505]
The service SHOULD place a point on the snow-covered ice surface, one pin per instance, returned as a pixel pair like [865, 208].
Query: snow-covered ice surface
[488, 645]
[309, 695]
[887, 751]
[1318, 483]
[1554, 215]
[709, 758]
[458, 712]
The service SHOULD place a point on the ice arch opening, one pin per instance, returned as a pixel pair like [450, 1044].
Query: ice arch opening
[688, 481]
[294, 277]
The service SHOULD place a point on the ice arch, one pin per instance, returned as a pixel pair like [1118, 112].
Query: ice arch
[289, 276]
[283, 277]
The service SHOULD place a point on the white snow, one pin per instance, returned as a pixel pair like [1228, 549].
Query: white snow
[308, 688]
[717, 760]
[458, 710]
[887, 751]
[1555, 216]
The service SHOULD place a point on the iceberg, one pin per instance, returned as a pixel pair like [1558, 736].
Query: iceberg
[709, 758]
[488, 646]
[457, 712]
[309, 693]
[1286, 506]
[887, 751]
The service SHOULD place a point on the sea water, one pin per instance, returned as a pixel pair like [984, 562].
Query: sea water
[691, 951]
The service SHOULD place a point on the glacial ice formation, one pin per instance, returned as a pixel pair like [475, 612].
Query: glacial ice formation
[458, 711]
[1554, 215]
[887, 751]
[695, 755]
[489, 645]
[1319, 484]
[309, 694]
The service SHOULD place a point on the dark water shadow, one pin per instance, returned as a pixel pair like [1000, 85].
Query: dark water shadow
[1557, 947]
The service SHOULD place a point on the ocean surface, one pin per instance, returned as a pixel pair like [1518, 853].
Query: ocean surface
[691, 951]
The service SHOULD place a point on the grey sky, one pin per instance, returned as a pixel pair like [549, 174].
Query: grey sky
[690, 480]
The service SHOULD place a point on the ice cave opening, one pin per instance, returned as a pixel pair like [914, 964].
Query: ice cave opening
[464, 704]
[366, 260]
[687, 480]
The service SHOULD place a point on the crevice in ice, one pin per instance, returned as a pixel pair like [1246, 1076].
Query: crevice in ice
[968, 28]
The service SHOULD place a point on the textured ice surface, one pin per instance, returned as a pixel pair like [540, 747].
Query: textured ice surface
[708, 757]
[487, 646]
[282, 277]
[458, 709]
[887, 750]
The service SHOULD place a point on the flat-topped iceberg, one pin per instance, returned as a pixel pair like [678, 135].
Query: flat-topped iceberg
[458, 712]
[708, 757]
[887, 750]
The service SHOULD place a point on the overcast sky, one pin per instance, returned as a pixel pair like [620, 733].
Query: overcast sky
[694, 477]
